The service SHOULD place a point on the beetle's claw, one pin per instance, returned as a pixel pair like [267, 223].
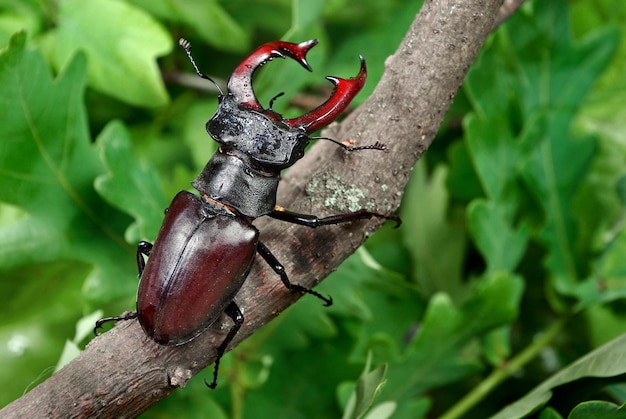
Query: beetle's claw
[396, 219]
[328, 301]
[212, 385]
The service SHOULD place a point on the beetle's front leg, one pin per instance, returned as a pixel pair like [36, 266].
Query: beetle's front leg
[143, 248]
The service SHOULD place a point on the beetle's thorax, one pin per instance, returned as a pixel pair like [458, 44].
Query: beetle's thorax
[254, 148]
[227, 179]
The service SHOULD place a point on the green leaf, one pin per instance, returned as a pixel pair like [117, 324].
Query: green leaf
[604, 110]
[501, 245]
[598, 410]
[84, 326]
[549, 413]
[25, 15]
[621, 190]
[84, 329]
[556, 160]
[463, 182]
[121, 43]
[213, 24]
[607, 361]
[40, 304]
[608, 280]
[490, 139]
[367, 388]
[208, 18]
[305, 13]
[132, 186]
[381, 411]
[48, 168]
[445, 349]
[497, 346]
[436, 245]
[489, 136]
[371, 306]
[547, 88]
[553, 173]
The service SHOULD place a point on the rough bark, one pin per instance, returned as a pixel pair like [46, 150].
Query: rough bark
[122, 373]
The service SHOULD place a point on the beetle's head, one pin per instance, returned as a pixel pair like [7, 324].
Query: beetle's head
[263, 136]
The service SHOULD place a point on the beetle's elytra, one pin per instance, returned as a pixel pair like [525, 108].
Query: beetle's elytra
[206, 245]
[205, 254]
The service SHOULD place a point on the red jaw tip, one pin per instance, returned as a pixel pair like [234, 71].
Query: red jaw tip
[240, 84]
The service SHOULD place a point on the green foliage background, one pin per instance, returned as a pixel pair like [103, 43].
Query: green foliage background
[502, 292]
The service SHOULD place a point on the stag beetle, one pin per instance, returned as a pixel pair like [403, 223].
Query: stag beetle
[206, 244]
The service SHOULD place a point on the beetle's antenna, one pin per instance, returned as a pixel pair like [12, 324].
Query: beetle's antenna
[376, 146]
[186, 45]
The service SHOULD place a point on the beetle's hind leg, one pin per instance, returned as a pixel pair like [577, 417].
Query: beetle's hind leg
[233, 311]
[280, 270]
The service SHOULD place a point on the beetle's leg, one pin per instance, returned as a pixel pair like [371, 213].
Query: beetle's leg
[143, 248]
[280, 270]
[313, 221]
[127, 316]
[235, 314]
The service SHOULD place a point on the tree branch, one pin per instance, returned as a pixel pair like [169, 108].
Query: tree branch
[122, 373]
[507, 9]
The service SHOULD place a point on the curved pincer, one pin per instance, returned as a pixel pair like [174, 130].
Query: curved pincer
[240, 82]
[240, 85]
[345, 90]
